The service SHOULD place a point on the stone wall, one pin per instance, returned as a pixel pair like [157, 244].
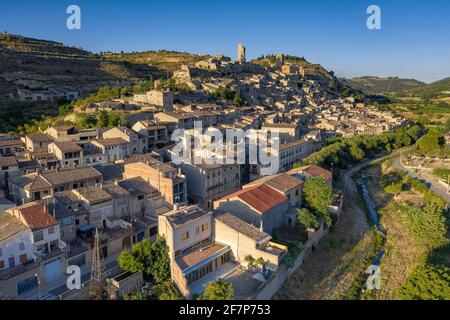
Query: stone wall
[271, 287]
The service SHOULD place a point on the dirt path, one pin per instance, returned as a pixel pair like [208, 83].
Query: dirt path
[329, 273]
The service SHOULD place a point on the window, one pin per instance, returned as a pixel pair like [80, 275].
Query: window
[153, 231]
[23, 258]
[197, 230]
[2, 264]
[51, 230]
[38, 236]
[1, 252]
[185, 235]
[21, 246]
[204, 227]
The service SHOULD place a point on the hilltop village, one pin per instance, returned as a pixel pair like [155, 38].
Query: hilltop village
[70, 195]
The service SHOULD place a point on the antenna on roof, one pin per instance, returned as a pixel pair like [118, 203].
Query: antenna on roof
[96, 270]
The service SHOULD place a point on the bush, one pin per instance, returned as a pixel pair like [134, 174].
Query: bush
[307, 219]
[344, 151]
[136, 295]
[152, 258]
[218, 290]
[167, 291]
[426, 282]
[317, 194]
[394, 188]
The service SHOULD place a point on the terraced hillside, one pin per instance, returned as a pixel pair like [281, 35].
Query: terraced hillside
[311, 69]
[377, 85]
[437, 89]
[162, 59]
[40, 64]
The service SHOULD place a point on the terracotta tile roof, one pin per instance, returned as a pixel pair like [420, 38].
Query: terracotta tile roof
[282, 182]
[14, 142]
[262, 198]
[137, 186]
[280, 125]
[36, 217]
[110, 141]
[10, 226]
[8, 161]
[71, 175]
[40, 137]
[93, 194]
[184, 215]
[68, 146]
[31, 181]
[243, 227]
[314, 171]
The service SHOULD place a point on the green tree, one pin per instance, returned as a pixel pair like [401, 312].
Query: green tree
[429, 143]
[117, 119]
[136, 295]
[356, 152]
[394, 188]
[152, 258]
[218, 290]
[160, 267]
[388, 147]
[260, 261]
[318, 195]
[307, 219]
[167, 291]
[85, 121]
[103, 119]
[426, 282]
[251, 263]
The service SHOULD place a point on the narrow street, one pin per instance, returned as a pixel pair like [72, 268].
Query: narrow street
[427, 178]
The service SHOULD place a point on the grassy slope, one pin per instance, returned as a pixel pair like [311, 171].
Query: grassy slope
[377, 85]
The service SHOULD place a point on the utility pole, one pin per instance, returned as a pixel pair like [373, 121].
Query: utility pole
[95, 289]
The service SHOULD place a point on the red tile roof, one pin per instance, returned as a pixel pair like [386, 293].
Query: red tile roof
[262, 198]
[317, 171]
[36, 217]
[314, 171]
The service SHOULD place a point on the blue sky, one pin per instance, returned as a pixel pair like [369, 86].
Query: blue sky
[414, 41]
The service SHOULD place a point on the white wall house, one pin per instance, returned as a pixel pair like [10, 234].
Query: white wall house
[16, 242]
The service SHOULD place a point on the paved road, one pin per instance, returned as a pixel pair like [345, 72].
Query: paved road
[55, 292]
[433, 184]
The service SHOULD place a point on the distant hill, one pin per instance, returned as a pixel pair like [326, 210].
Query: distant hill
[378, 85]
[437, 89]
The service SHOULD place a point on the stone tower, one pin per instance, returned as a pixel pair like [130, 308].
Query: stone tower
[241, 53]
[279, 61]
